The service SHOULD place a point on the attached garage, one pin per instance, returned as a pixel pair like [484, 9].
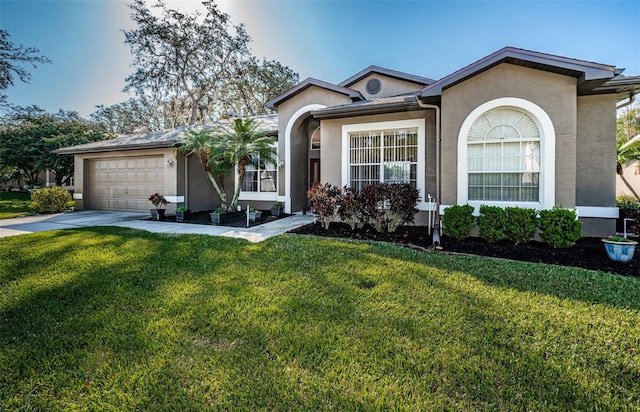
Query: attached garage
[123, 183]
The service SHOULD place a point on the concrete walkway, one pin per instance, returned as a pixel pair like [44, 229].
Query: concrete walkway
[85, 218]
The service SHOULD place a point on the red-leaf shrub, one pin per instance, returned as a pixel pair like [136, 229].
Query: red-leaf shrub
[351, 209]
[387, 206]
[325, 199]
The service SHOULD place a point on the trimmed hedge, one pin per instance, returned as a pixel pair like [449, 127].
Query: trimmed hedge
[521, 224]
[458, 221]
[560, 228]
[491, 223]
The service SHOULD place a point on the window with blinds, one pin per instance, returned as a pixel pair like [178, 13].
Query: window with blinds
[503, 157]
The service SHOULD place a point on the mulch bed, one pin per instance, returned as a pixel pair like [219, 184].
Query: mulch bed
[234, 219]
[587, 253]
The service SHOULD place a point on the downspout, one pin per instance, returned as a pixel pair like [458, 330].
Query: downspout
[437, 109]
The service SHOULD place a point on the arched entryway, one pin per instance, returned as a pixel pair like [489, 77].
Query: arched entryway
[302, 159]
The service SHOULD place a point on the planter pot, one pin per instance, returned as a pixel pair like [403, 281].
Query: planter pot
[620, 251]
[276, 211]
[218, 218]
[180, 216]
[157, 214]
[254, 216]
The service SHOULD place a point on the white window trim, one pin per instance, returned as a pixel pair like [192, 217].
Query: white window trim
[259, 196]
[547, 149]
[397, 124]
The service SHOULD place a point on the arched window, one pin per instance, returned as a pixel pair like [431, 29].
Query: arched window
[503, 157]
[315, 139]
[506, 155]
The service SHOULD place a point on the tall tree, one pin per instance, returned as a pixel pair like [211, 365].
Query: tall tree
[181, 56]
[12, 59]
[255, 84]
[27, 143]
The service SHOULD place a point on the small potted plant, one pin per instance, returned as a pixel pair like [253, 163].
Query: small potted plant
[180, 212]
[254, 215]
[159, 202]
[620, 249]
[219, 216]
[277, 208]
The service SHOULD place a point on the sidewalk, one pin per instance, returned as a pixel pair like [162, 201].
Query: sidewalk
[85, 218]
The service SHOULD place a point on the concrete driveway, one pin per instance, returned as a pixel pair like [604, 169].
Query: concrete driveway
[85, 218]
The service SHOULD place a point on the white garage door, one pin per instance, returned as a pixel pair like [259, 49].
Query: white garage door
[124, 183]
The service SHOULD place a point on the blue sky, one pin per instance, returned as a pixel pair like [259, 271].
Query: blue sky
[328, 40]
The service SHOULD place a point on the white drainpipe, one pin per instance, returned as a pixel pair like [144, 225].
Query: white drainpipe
[437, 109]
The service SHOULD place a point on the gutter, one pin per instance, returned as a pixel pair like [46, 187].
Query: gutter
[632, 98]
[164, 145]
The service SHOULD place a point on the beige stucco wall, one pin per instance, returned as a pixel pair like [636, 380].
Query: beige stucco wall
[554, 93]
[596, 151]
[331, 141]
[170, 173]
[388, 86]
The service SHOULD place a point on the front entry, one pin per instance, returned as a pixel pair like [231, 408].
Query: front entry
[314, 171]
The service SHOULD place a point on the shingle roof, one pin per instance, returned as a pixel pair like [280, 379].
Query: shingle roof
[585, 70]
[305, 84]
[159, 139]
[387, 72]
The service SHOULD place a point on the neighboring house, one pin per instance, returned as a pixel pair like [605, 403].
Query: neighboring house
[516, 128]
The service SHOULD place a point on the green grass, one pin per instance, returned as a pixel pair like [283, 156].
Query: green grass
[116, 319]
[15, 204]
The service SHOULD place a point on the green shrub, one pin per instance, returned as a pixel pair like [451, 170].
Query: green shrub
[50, 200]
[325, 199]
[458, 221]
[560, 228]
[521, 224]
[387, 206]
[491, 223]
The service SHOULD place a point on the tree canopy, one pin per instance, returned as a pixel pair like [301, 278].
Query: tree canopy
[28, 140]
[12, 59]
[191, 68]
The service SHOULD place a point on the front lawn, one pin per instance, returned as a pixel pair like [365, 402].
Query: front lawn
[15, 204]
[116, 319]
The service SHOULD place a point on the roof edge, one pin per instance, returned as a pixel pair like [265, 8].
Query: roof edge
[386, 72]
[590, 70]
[308, 82]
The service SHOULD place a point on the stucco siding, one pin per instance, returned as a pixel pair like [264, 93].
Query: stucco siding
[388, 86]
[596, 151]
[554, 93]
[331, 141]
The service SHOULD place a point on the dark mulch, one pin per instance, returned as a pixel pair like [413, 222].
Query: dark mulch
[234, 219]
[587, 253]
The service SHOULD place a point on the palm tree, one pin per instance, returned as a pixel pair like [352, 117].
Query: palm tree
[628, 152]
[199, 143]
[242, 143]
